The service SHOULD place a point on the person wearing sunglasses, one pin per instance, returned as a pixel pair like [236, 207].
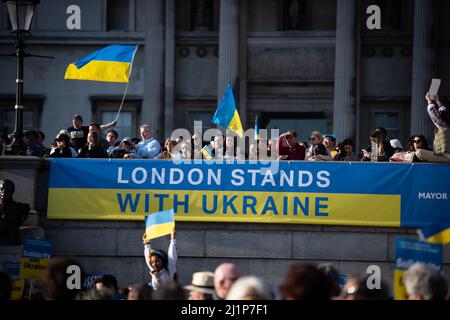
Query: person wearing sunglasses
[418, 141]
[316, 139]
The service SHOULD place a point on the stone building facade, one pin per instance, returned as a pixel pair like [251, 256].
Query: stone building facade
[297, 64]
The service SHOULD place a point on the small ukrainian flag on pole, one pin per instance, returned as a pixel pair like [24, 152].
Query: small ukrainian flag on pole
[207, 152]
[159, 224]
[227, 115]
[110, 64]
[256, 129]
[438, 232]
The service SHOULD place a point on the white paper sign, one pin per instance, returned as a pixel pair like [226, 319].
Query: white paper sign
[434, 88]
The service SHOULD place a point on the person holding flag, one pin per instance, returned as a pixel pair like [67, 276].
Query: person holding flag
[162, 265]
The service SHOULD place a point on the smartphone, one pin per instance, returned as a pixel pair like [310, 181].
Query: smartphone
[364, 150]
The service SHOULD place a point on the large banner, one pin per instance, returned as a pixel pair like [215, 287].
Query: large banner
[364, 194]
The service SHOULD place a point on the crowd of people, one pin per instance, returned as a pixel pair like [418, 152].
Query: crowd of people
[87, 142]
[227, 282]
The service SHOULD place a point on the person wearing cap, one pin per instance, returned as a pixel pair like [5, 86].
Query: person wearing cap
[397, 145]
[441, 144]
[62, 149]
[202, 286]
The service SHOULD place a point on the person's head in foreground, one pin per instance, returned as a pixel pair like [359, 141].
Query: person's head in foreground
[333, 276]
[169, 291]
[249, 288]
[140, 291]
[305, 282]
[357, 288]
[56, 276]
[107, 281]
[224, 277]
[202, 286]
[423, 282]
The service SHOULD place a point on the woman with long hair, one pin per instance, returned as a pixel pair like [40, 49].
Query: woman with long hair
[346, 151]
[316, 139]
[382, 148]
[418, 141]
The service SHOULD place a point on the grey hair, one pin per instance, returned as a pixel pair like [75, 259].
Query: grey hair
[249, 288]
[426, 281]
[146, 126]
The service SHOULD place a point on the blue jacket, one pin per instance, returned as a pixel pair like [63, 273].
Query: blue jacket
[148, 149]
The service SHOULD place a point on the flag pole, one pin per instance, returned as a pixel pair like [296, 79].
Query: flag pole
[121, 103]
[128, 83]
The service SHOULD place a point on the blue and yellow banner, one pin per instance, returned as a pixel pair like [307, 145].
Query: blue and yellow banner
[159, 224]
[110, 64]
[339, 193]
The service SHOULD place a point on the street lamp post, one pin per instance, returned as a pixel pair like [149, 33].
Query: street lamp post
[21, 15]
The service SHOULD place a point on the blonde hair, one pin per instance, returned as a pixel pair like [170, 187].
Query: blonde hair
[318, 135]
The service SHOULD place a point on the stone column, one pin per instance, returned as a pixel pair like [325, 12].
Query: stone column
[169, 69]
[243, 63]
[424, 57]
[344, 122]
[228, 46]
[154, 67]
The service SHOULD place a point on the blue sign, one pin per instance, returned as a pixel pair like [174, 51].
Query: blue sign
[410, 251]
[37, 249]
[12, 269]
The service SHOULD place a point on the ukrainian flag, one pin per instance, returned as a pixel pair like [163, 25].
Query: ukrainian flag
[437, 232]
[207, 152]
[227, 115]
[159, 224]
[110, 64]
[256, 129]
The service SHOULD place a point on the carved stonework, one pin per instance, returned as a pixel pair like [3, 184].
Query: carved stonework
[202, 52]
[184, 52]
[388, 52]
